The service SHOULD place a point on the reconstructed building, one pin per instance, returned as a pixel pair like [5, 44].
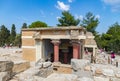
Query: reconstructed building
[56, 43]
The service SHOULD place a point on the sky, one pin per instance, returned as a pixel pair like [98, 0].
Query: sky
[27, 11]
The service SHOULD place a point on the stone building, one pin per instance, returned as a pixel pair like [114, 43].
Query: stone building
[56, 43]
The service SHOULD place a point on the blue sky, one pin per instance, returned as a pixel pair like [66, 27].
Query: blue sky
[19, 11]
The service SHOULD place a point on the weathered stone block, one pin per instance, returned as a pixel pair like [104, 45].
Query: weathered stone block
[85, 79]
[61, 77]
[87, 68]
[101, 79]
[108, 72]
[98, 71]
[47, 64]
[115, 79]
[6, 66]
[45, 72]
[79, 64]
[4, 76]
[117, 73]
[82, 73]
[20, 66]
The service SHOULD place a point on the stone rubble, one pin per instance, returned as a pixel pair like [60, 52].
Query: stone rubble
[14, 68]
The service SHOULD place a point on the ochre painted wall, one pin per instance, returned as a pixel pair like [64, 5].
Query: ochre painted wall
[29, 54]
[28, 42]
[28, 46]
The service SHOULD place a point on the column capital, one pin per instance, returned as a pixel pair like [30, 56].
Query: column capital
[55, 41]
[37, 35]
[75, 42]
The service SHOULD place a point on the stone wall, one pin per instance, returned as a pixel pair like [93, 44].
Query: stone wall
[6, 70]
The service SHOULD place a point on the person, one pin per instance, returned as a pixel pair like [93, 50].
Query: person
[112, 57]
[86, 51]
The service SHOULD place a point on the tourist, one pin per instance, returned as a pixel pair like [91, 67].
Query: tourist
[112, 57]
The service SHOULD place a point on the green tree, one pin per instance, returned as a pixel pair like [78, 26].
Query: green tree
[13, 33]
[111, 39]
[38, 24]
[90, 22]
[4, 35]
[114, 42]
[67, 20]
[24, 25]
[17, 41]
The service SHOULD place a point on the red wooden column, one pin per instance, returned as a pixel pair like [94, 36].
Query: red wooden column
[75, 51]
[56, 50]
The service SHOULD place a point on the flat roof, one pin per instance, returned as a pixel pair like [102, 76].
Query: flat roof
[55, 28]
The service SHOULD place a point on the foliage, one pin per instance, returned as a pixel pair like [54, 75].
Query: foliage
[38, 24]
[17, 41]
[111, 39]
[114, 43]
[13, 33]
[90, 22]
[67, 20]
[4, 35]
[24, 25]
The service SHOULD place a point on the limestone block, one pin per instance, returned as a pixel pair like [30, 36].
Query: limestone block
[6, 66]
[25, 77]
[82, 73]
[93, 70]
[44, 72]
[4, 76]
[79, 64]
[40, 65]
[117, 73]
[20, 66]
[31, 71]
[101, 79]
[98, 71]
[70, 77]
[13, 80]
[85, 79]
[61, 77]
[87, 68]
[108, 72]
[115, 79]
[47, 64]
[35, 71]
[37, 78]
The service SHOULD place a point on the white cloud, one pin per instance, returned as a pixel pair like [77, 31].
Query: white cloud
[112, 2]
[62, 6]
[79, 17]
[97, 16]
[115, 4]
[58, 17]
[70, 1]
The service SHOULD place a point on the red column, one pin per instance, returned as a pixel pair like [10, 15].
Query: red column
[75, 51]
[56, 50]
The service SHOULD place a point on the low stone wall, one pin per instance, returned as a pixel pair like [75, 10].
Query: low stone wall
[5, 70]
[20, 66]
